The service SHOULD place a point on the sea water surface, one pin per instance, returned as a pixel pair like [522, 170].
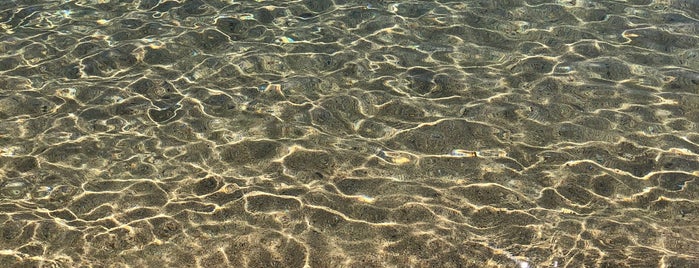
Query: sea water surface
[338, 133]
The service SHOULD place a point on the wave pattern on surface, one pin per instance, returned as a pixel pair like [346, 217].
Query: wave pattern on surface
[342, 133]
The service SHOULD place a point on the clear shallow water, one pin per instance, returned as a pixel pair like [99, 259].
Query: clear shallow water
[349, 133]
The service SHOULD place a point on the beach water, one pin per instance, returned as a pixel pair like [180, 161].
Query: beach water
[319, 133]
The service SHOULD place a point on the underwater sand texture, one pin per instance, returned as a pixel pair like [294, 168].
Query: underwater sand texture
[318, 133]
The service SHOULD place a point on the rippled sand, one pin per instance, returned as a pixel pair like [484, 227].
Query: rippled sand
[314, 133]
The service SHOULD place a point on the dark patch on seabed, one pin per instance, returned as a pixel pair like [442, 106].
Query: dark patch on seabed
[319, 133]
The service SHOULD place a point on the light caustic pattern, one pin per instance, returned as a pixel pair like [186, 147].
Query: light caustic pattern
[323, 133]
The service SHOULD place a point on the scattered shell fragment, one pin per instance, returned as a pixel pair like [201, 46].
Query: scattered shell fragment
[15, 184]
[116, 99]
[42, 191]
[365, 198]
[393, 8]
[400, 160]
[65, 13]
[284, 40]
[275, 87]
[630, 35]
[496, 153]
[397, 158]
[14, 188]
[67, 93]
[680, 151]
[491, 153]
[272, 87]
[462, 153]
[9, 151]
[228, 189]
[246, 16]
[7, 28]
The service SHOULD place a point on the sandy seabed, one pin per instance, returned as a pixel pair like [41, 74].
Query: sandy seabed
[317, 133]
